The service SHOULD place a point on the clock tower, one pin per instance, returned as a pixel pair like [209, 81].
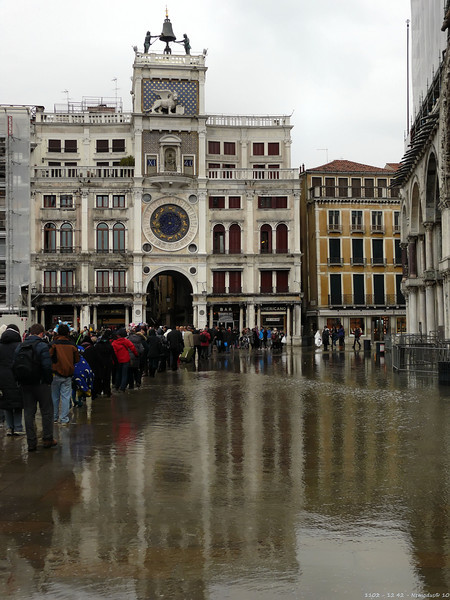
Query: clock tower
[170, 181]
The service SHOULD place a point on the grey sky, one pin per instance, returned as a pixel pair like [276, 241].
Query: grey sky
[338, 65]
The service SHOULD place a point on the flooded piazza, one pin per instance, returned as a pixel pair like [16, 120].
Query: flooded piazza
[255, 475]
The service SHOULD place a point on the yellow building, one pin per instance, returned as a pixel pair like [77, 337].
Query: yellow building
[352, 266]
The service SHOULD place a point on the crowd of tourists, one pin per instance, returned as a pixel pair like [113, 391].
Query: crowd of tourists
[58, 370]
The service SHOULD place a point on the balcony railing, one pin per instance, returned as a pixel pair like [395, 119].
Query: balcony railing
[334, 228]
[335, 261]
[229, 290]
[367, 300]
[377, 228]
[357, 228]
[342, 192]
[358, 261]
[378, 262]
[111, 289]
[87, 173]
[264, 250]
[58, 289]
[228, 251]
[246, 174]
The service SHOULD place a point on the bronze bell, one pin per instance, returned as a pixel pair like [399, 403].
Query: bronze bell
[167, 34]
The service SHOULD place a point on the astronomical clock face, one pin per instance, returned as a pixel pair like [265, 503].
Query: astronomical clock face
[169, 223]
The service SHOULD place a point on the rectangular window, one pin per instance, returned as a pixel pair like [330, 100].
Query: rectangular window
[118, 145]
[235, 282]
[218, 282]
[358, 289]
[228, 171]
[54, 145]
[101, 201]
[217, 202]
[266, 282]
[49, 201]
[282, 278]
[50, 282]
[119, 282]
[258, 171]
[334, 221]
[330, 190]
[382, 188]
[70, 145]
[258, 149]
[316, 185]
[102, 281]
[377, 252]
[358, 251]
[213, 147]
[357, 220]
[102, 146]
[369, 190]
[400, 298]
[343, 187]
[273, 148]
[396, 221]
[213, 169]
[265, 202]
[334, 248]
[356, 187]
[397, 252]
[66, 201]
[280, 202]
[67, 282]
[335, 290]
[378, 289]
[229, 148]
[377, 220]
[234, 202]
[118, 201]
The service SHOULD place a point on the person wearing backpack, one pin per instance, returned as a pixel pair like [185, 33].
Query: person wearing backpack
[64, 355]
[32, 369]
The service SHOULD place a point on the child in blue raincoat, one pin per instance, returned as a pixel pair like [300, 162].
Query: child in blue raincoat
[82, 380]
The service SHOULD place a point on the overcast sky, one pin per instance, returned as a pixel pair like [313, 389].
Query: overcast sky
[339, 66]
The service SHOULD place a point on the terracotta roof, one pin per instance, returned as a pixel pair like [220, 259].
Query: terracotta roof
[347, 166]
[392, 166]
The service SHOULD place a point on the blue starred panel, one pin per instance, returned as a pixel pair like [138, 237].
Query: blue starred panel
[187, 93]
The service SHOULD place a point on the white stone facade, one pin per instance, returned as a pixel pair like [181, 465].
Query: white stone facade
[203, 228]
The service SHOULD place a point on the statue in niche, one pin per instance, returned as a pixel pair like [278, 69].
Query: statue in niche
[170, 160]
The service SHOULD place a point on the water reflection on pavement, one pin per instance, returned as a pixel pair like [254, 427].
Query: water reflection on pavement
[295, 475]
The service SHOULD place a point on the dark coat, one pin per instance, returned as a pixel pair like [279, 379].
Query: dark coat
[43, 355]
[154, 345]
[12, 394]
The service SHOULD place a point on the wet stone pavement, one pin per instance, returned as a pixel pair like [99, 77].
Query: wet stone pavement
[254, 476]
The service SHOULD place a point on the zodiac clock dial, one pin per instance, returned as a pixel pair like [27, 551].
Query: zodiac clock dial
[169, 223]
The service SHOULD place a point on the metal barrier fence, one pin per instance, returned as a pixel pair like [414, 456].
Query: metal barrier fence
[420, 353]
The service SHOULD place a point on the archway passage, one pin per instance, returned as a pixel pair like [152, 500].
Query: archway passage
[169, 300]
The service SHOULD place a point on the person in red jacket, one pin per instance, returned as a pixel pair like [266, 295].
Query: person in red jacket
[122, 347]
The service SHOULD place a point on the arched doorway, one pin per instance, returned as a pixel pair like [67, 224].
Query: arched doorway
[169, 300]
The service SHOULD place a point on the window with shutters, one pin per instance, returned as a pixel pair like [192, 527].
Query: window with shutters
[67, 282]
[266, 282]
[235, 239]
[213, 147]
[258, 148]
[70, 146]
[102, 282]
[66, 238]
[50, 237]
[50, 282]
[282, 239]
[54, 145]
[49, 201]
[282, 278]
[119, 237]
[218, 282]
[219, 239]
[102, 238]
[234, 202]
[119, 282]
[229, 148]
[235, 282]
[118, 145]
[273, 148]
[102, 145]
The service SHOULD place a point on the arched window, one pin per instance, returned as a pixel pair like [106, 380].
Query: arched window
[66, 238]
[266, 239]
[282, 239]
[102, 238]
[49, 237]
[119, 237]
[235, 239]
[219, 239]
